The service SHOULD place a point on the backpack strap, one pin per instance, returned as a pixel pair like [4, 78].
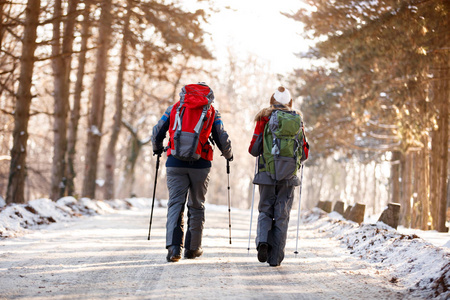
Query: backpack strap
[177, 134]
[275, 147]
[177, 122]
[201, 120]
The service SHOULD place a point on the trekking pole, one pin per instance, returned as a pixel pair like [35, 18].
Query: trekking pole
[251, 212]
[298, 213]
[229, 198]
[154, 191]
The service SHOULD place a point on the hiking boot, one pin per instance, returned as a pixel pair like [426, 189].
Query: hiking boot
[174, 253]
[193, 253]
[263, 248]
[274, 265]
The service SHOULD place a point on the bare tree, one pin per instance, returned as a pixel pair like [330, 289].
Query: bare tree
[17, 173]
[110, 157]
[98, 97]
[75, 111]
[135, 146]
[62, 57]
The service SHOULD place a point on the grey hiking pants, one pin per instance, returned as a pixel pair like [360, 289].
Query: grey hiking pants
[274, 209]
[180, 181]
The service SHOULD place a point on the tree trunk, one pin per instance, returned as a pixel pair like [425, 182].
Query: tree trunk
[135, 146]
[439, 142]
[358, 190]
[405, 212]
[343, 182]
[424, 184]
[375, 188]
[364, 182]
[17, 173]
[97, 102]
[67, 50]
[416, 179]
[320, 181]
[2, 30]
[311, 186]
[127, 181]
[75, 112]
[59, 125]
[61, 69]
[395, 176]
[434, 179]
[110, 157]
[443, 123]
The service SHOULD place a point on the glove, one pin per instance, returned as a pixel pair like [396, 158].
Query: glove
[230, 159]
[158, 151]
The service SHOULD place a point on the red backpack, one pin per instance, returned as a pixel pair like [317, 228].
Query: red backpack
[191, 120]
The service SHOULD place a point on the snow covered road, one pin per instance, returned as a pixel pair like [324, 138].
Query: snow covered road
[109, 256]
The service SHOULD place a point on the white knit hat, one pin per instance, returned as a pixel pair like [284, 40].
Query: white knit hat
[282, 95]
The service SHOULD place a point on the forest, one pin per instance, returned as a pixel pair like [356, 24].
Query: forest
[83, 82]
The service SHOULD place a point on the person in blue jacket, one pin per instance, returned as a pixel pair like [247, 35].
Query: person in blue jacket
[188, 180]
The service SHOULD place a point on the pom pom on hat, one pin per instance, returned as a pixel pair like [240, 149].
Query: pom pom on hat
[282, 95]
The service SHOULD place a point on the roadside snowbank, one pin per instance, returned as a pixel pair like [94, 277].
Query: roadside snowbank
[419, 266]
[18, 219]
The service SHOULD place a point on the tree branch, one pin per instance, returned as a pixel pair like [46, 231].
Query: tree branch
[130, 128]
[6, 112]
[64, 54]
[145, 141]
[13, 34]
[34, 113]
[9, 54]
[4, 87]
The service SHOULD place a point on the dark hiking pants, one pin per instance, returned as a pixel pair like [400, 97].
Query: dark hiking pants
[274, 208]
[180, 181]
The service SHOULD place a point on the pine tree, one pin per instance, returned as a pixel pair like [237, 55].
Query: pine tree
[389, 61]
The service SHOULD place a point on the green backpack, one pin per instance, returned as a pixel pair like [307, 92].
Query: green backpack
[282, 145]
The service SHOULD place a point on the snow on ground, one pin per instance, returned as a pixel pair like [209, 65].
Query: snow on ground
[411, 261]
[18, 219]
[418, 266]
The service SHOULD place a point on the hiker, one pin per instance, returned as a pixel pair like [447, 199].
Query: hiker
[194, 127]
[276, 176]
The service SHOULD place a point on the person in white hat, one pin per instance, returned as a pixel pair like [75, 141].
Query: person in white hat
[276, 192]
